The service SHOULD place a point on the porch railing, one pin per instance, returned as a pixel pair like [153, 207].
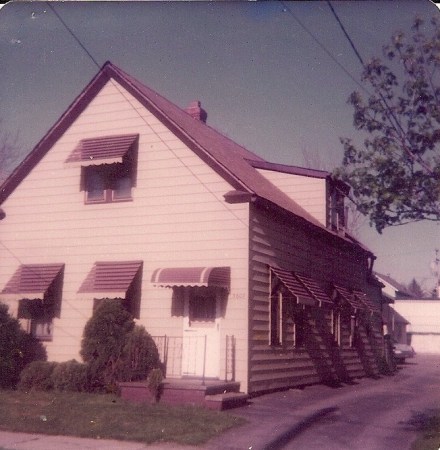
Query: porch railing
[172, 349]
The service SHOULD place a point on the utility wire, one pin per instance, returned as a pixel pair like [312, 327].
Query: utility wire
[393, 119]
[73, 34]
[324, 48]
[346, 34]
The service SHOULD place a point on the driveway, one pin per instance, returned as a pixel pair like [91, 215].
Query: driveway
[368, 414]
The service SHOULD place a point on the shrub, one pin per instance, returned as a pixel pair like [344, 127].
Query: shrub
[37, 375]
[17, 349]
[140, 355]
[115, 349]
[71, 376]
[154, 381]
[103, 342]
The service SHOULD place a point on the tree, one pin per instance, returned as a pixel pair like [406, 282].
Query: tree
[415, 289]
[396, 174]
[17, 349]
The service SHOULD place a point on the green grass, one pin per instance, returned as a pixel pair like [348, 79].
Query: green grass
[427, 425]
[109, 417]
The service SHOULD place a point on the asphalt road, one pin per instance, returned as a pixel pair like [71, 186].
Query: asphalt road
[379, 415]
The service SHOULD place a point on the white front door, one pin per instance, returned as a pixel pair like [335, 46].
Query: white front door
[201, 333]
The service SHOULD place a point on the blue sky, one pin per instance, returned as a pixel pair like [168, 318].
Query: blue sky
[261, 70]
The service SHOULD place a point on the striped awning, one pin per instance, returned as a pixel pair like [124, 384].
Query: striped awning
[295, 286]
[192, 276]
[315, 288]
[32, 280]
[111, 278]
[102, 150]
[348, 297]
[367, 302]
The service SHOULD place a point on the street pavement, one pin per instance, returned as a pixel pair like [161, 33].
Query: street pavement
[372, 414]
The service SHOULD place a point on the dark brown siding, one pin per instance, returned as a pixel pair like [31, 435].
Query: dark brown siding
[276, 240]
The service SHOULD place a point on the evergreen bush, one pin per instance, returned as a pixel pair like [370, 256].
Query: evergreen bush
[115, 349]
[140, 355]
[37, 375]
[71, 376]
[17, 349]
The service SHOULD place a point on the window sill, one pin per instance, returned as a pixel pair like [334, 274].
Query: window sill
[104, 201]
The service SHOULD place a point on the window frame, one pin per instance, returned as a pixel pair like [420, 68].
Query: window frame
[109, 174]
[354, 330]
[299, 333]
[35, 325]
[276, 319]
[336, 326]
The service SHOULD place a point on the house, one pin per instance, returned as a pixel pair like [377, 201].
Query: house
[392, 289]
[409, 320]
[395, 325]
[423, 330]
[240, 269]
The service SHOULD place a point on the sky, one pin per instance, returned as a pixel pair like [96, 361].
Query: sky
[273, 76]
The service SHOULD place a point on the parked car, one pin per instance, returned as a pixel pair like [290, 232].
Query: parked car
[403, 351]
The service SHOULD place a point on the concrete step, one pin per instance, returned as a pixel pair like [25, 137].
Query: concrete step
[226, 400]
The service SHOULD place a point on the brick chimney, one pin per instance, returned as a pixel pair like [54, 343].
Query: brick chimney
[196, 111]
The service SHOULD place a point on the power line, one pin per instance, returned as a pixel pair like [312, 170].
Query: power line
[346, 34]
[73, 34]
[324, 48]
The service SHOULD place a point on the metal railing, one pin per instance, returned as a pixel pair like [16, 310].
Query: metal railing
[186, 356]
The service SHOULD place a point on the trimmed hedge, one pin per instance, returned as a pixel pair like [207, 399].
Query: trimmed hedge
[114, 349]
[37, 375]
[71, 376]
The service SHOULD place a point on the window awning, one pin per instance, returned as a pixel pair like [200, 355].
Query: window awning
[348, 297]
[112, 278]
[316, 290]
[192, 276]
[367, 302]
[102, 150]
[32, 280]
[295, 286]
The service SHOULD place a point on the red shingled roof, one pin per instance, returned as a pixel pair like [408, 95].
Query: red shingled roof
[226, 157]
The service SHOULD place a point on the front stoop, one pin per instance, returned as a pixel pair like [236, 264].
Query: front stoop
[212, 394]
[228, 400]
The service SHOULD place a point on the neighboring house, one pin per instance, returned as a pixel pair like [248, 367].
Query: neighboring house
[408, 320]
[423, 331]
[392, 289]
[394, 324]
[240, 268]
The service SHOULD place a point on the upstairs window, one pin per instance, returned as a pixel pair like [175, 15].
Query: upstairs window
[108, 183]
[336, 210]
[108, 167]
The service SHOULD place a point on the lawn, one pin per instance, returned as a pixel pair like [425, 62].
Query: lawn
[109, 417]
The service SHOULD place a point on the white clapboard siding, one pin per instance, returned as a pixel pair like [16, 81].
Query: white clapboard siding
[178, 217]
[308, 192]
